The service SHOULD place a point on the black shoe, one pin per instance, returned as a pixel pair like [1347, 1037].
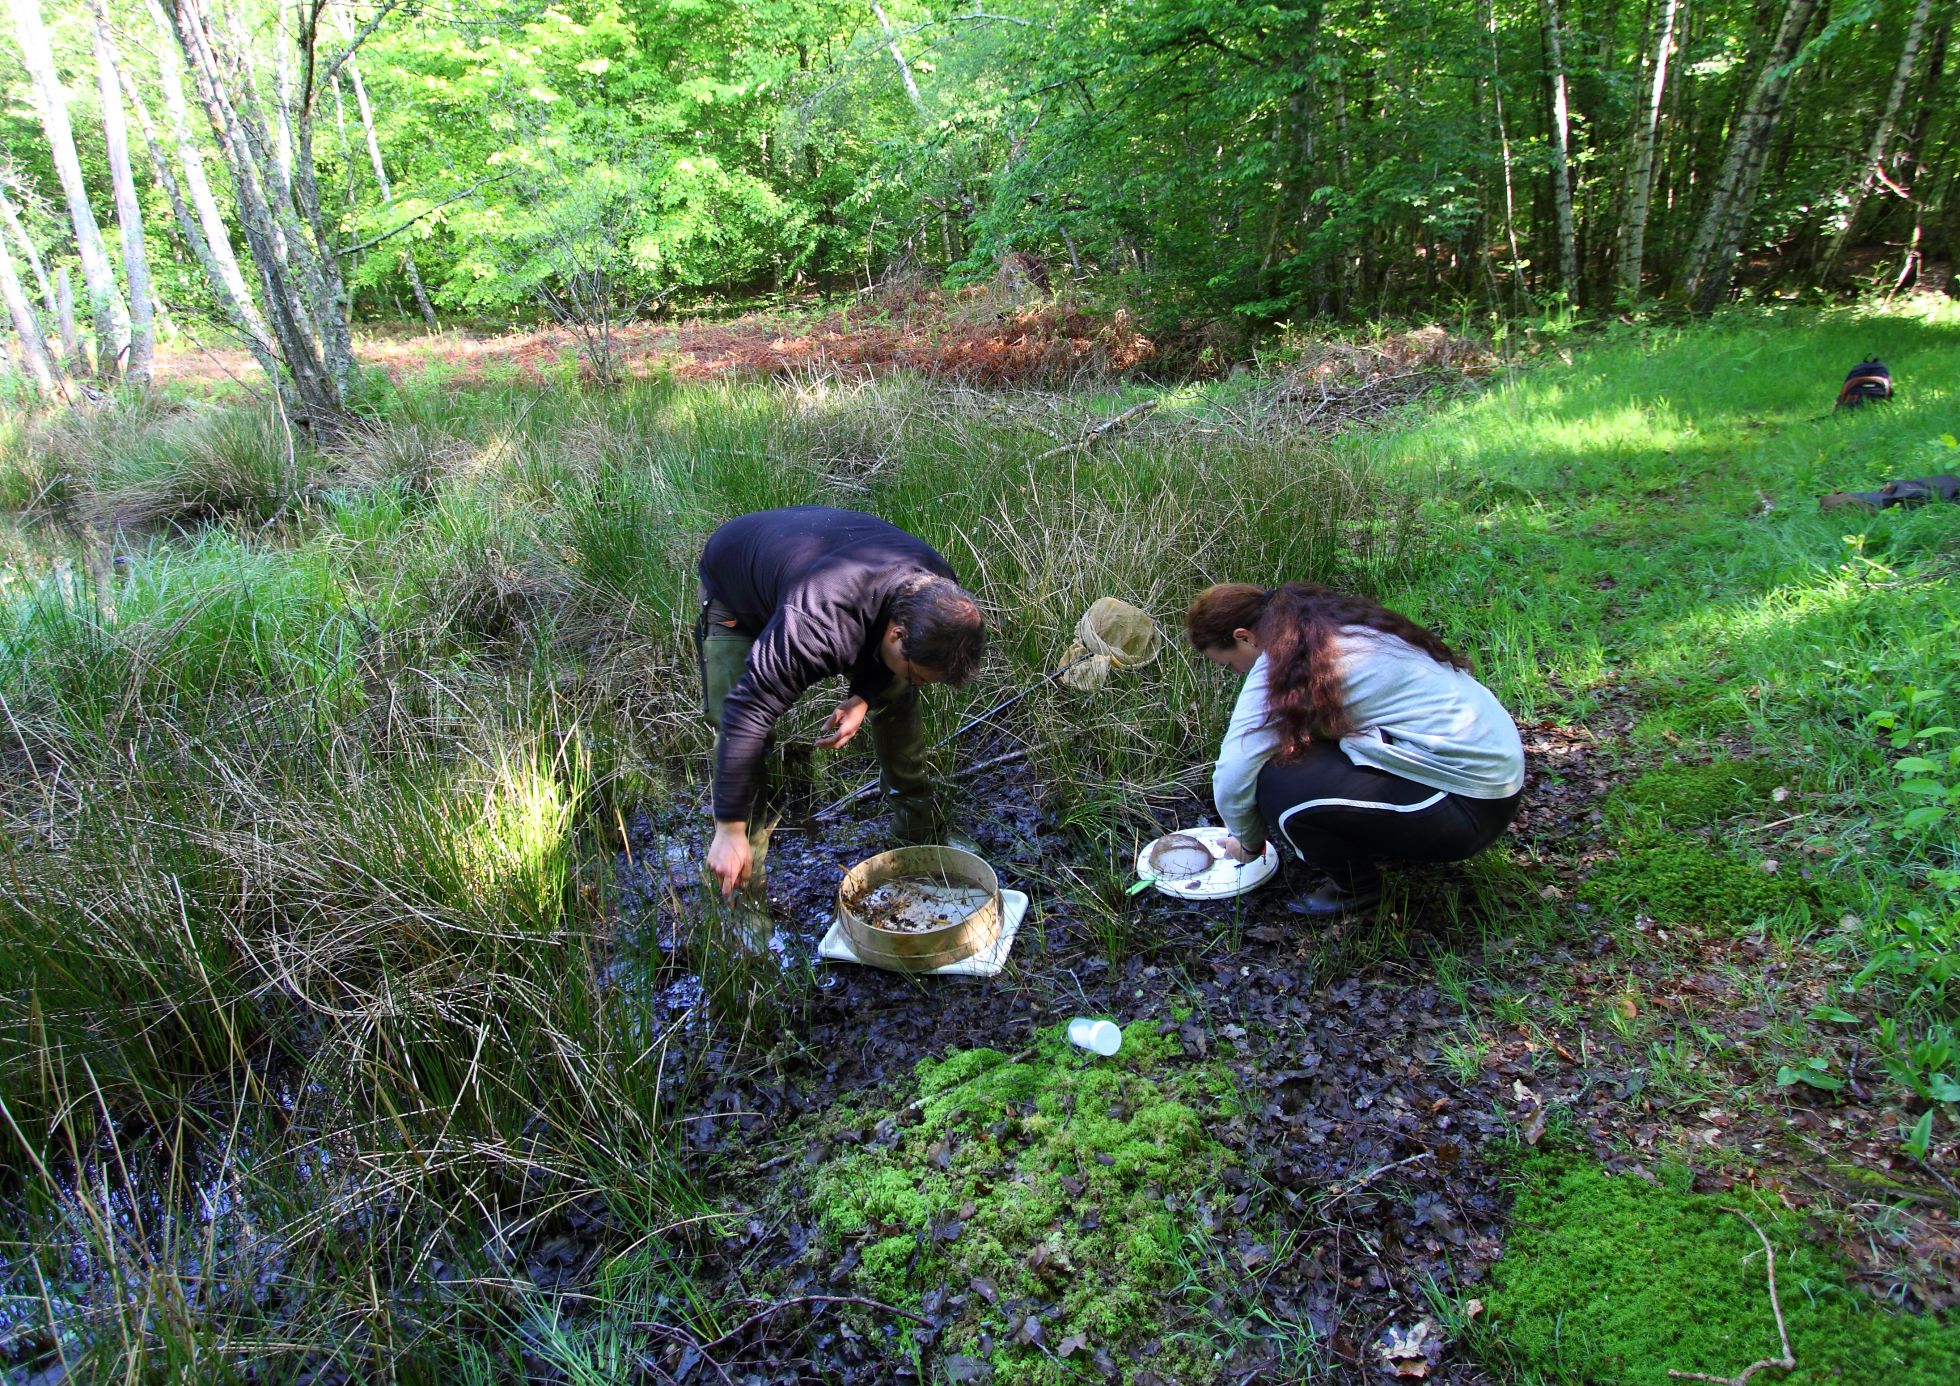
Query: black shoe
[1329, 899]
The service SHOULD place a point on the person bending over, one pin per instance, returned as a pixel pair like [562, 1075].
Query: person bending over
[793, 596]
[1358, 737]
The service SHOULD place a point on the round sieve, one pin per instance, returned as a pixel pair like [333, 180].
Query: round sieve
[1179, 856]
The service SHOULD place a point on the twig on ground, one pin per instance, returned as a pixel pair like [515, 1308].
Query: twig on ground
[1097, 432]
[863, 791]
[1343, 1190]
[1944, 1182]
[1788, 1361]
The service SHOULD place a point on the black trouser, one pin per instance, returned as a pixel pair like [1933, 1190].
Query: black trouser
[1343, 818]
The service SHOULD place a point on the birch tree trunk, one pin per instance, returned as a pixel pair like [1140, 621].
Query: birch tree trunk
[316, 396]
[336, 330]
[381, 170]
[36, 363]
[1503, 139]
[904, 68]
[1881, 137]
[1640, 192]
[51, 302]
[226, 284]
[217, 236]
[111, 313]
[11, 215]
[1710, 264]
[129, 211]
[1568, 243]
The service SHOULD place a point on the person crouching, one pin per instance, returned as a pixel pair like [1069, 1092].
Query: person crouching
[794, 596]
[1358, 737]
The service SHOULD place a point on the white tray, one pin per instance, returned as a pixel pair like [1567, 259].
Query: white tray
[1225, 879]
[988, 962]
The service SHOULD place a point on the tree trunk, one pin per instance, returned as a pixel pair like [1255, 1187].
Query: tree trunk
[1503, 142]
[1913, 169]
[336, 330]
[381, 171]
[36, 363]
[197, 185]
[904, 68]
[316, 394]
[111, 313]
[71, 340]
[1875, 156]
[1568, 243]
[1633, 234]
[1711, 256]
[11, 215]
[129, 211]
[226, 284]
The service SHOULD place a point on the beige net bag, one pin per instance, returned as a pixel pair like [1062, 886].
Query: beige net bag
[1111, 634]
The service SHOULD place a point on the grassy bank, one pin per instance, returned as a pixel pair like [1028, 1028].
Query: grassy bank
[315, 768]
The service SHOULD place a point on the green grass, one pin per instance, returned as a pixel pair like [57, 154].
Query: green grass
[315, 766]
[1643, 525]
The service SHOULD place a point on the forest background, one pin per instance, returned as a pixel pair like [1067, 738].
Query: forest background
[365, 1018]
[1227, 163]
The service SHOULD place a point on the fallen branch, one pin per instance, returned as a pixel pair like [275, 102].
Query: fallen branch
[1944, 1182]
[838, 805]
[1788, 1361]
[1343, 1190]
[374, 241]
[1097, 432]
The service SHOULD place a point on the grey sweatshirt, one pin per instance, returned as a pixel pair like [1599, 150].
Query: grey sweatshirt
[1417, 718]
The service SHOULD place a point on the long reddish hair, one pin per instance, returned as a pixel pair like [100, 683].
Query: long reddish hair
[1296, 623]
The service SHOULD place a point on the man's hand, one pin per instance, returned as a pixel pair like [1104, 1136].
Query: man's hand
[845, 720]
[1237, 851]
[729, 856]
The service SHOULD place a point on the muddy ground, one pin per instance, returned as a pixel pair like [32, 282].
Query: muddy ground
[1384, 1158]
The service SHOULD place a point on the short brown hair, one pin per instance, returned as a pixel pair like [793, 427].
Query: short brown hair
[944, 630]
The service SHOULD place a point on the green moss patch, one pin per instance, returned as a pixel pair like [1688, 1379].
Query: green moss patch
[1693, 796]
[1683, 880]
[1056, 1186]
[1611, 1279]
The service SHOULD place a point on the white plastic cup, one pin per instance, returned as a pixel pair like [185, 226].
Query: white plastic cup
[1097, 1036]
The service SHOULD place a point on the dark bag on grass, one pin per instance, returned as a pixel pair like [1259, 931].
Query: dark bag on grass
[1911, 492]
[1865, 382]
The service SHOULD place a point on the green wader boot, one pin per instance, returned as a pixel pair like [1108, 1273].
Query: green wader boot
[898, 734]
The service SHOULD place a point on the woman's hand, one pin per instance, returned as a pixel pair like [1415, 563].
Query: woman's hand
[845, 719]
[1234, 850]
